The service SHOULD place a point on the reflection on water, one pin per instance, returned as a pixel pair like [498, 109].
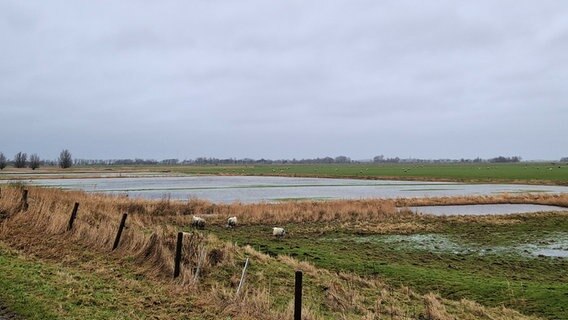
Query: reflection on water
[482, 209]
[255, 189]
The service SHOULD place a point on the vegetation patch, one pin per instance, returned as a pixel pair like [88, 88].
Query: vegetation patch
[526, 173]
[493, 260]
[66, 272]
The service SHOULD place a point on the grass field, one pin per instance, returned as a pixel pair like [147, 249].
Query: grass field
[483, 259]
[534, 173]
[356, 265]
[90, 287]
[529, 173]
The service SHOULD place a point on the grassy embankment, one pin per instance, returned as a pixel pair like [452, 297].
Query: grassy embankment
[48, 272]
[527, 173]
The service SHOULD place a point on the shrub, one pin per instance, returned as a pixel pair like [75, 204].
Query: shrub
[20, 160]
[2, 161]
[65, 160]
[34, 161]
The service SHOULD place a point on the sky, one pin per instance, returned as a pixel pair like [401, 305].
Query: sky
[284, 79]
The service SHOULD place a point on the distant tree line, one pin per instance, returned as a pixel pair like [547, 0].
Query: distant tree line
[208, 161]
[65, 160]
[500, 159]
[100, 162]
[215, 161]
[21, 160]
[249, 161]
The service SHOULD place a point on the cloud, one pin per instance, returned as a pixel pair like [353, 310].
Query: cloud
[284, 79]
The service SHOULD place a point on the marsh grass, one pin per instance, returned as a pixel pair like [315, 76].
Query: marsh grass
[210, 266]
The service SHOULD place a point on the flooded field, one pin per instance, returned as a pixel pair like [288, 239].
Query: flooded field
[482, 209]
[555, 245]
[226, 189]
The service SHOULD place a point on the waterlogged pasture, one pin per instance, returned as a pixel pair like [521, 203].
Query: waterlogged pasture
[553, 245]
[493, 259]
[519, 261]
[485, 209]
[248, 189]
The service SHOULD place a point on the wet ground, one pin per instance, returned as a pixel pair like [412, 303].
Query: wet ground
[226, 189]
[554, 245]
[485, 209]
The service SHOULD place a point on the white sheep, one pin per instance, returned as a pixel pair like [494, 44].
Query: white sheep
[278, 232]
[232, 222]
[198, 222]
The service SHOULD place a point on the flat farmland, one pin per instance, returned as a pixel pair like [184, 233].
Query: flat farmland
[529, 173]
[550, 173]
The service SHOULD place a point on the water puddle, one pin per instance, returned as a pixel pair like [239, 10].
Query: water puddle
[422, 242]
[552, 253]
[555, 245]
[485, 209]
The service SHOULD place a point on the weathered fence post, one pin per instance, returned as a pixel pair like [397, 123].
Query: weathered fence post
[243, 275]
[119, 233]
[73, 216]
[298, 296]
[25, 200]
[177, 260]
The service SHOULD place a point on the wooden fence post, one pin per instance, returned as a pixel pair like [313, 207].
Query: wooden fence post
[25, 200]
[177, 260]
[243, 275]
[119, 233]
[73, 216]
[298, 296]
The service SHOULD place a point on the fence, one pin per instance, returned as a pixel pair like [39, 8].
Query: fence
[178, 257]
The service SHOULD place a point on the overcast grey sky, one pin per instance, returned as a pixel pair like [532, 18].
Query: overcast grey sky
[284, 79]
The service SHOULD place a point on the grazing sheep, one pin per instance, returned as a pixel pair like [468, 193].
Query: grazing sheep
[232, 222]
[198, 222]
[278, 232]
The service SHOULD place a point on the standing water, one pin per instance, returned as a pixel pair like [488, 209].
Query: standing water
[226, 189]
[483, 209]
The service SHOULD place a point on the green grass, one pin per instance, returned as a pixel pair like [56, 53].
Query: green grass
[24, 294]
[518, 173]
[38, 291]
[92, 289]
[530, 284]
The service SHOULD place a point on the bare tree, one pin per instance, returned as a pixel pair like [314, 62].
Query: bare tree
[20, 160]
[65, 160]
[34, 161]
[2, 161]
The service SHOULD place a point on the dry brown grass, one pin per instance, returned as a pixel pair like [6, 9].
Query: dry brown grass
[504, 198]
[210, 267]
[150, 242]
[435, 310]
